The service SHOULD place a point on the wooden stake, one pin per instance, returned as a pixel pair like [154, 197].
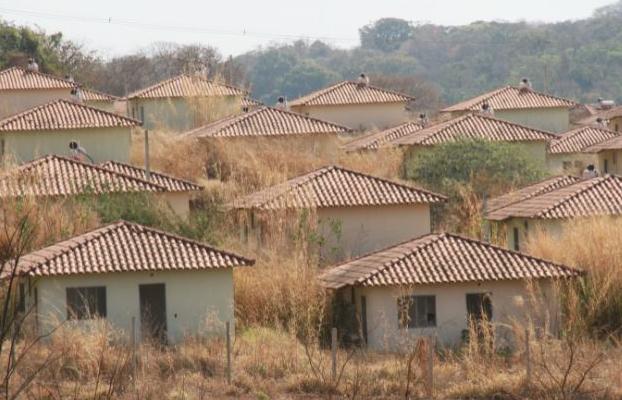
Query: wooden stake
[430, 367]
[229, 366]
[333, 346]
[527, 358]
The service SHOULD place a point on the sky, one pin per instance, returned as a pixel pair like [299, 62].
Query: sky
[117, 27]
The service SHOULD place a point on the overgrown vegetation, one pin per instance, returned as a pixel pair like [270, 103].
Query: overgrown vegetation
[468, 171]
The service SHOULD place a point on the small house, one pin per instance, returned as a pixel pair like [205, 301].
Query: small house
[183, 102]
[358, 106]
[349, 213]
[171, 286]
[274, 125]
[567, 154]
[51, 127]
[549, 205]
[441, 285]
[103, 101]
[612, 118]
[21, 89]
[179, 192]
[58, 177]
[523, 106]
[533, 141]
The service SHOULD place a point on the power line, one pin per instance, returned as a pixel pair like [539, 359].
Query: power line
[166, 27]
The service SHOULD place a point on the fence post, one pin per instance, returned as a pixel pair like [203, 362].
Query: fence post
[133, 345]
[229, 367]
[527, 358]
[333, 347]
[430, 367]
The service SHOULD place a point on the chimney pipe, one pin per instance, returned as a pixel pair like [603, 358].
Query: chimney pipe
[147, 170]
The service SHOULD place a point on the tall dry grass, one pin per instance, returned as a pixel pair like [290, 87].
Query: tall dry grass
[594, 304]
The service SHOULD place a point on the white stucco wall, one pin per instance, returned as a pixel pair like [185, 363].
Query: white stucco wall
[549, 119]
[15, 101]
[103, 105]
[366, 229]
[510, 302]
[359, 116]
[102, 144]
[527, 227]
[197, 302]
[612, 159]
[180, 114]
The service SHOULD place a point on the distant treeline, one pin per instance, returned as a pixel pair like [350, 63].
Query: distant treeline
[438, 64]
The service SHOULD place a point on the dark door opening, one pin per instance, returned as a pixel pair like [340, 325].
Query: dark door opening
[479, 313]
[364, 319]
[153, 311]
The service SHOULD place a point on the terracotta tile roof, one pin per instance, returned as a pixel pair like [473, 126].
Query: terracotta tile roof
[614, 143]
[530, 191]
[186, 86]
[615, 112]
[60, 176]
[474, 126]
[577, 140]
[171, 183]
[336, 187]
[348, 92]
[511, 98]
[126, 247]
[591, 197]
[266, 121]
[16, 78]
[441, 258]
[64, 114]
[375, 140]
[94, 95]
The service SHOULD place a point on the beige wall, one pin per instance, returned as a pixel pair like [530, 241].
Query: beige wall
[360, 116]
[577, 162]
[102, 144]
[197, 302]
[510, 302]
[103, 105]
[526, 227]
[179, 203]
[181, 114]
[15, 101]
[609, 161]
[366, 229]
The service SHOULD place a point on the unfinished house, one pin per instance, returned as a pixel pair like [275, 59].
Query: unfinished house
[568, 155]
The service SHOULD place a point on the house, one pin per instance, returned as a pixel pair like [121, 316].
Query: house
[273, 124]
[376, 140]
[438, 284]
[56, 176]
[22, 90]
[350, 213]
[103, 101]
[567, 154]
[608, 154]
[183, 102]
[359, 106]
[611, 117]
[49, 128]
[179, 191]
[549, 205]
[249, 104]
[477, 126]
[174, 289]
[522, 106]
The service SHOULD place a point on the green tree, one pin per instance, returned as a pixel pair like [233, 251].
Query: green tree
[386, 34]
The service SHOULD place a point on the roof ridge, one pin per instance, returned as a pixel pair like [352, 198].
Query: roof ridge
[302, 100]
[31, 164]
[45, 74]
[577, 131]
[493, 118]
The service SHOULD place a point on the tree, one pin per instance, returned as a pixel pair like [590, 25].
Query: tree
[386, 34]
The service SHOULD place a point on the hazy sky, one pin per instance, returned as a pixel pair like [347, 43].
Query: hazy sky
[114, 27]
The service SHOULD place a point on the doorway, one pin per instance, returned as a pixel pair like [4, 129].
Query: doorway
[153, 312]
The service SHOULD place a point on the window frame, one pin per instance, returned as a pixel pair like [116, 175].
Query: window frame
[78, 302]
[408, 308]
